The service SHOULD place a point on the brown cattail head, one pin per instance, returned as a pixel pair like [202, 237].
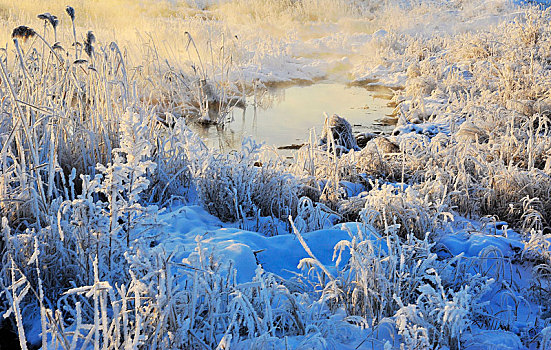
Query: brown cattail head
[23, 32]
[88, 43]
[70, 12]
[50, 18]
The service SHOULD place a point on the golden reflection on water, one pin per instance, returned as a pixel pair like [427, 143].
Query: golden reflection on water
[284, 117]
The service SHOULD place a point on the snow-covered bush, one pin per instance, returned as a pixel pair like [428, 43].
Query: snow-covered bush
[438, 316]
[245, 183]
[312, 216]
[172, 152]
[411, 208]
[402, 282]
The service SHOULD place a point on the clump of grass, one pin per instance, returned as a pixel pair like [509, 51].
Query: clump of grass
[244, 184]
[412, 212]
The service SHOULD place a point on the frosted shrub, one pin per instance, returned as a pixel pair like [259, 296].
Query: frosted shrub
[371, 161]
[405, 207]
[175, 148]
[444, 315]
[127, 177]
[312, 216]
[242, 184]
[164, 303]
[321, 169]
[396, 280]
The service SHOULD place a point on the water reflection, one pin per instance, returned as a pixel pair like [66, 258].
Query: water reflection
[283, 117]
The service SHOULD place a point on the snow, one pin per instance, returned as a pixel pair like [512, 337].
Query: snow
[492, 340]
[278, 254]
[474, 243]
[281, 254]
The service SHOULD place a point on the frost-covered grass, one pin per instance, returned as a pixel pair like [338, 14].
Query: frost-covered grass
[96, 157]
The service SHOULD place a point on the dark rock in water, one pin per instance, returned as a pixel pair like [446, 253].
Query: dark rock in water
[338, 131]
[292, 146]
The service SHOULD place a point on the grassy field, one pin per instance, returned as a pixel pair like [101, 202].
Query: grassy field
[444, 222]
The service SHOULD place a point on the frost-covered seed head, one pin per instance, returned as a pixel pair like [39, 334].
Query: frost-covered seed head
[23, 32]
[50, 18]
[71, 12]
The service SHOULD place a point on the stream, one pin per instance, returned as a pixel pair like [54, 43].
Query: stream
[283, 117]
